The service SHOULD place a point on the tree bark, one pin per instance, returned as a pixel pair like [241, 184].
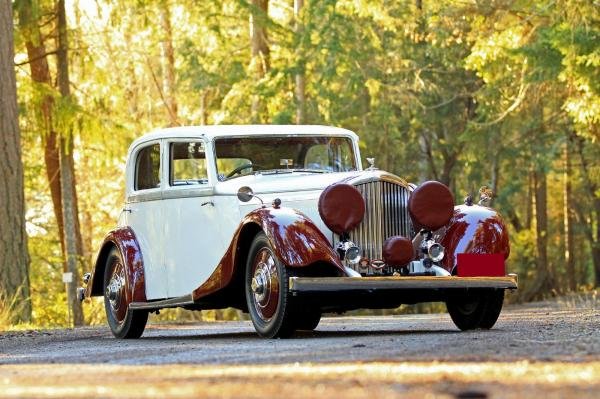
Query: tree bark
[543, 282]
[168, 63]
[40, 74]
[568, 217]
[72, 236]
[592, 189]
[300, 75]
[14, 256]
[260, 62]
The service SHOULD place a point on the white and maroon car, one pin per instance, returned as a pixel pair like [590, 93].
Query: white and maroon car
[284, 223]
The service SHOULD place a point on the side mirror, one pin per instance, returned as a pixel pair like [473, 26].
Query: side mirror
[245, 194]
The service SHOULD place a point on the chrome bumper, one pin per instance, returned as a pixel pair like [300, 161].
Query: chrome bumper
[332, 284]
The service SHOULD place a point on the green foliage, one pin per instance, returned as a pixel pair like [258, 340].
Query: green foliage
[467, 93]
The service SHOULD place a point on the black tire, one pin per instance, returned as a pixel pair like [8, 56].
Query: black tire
[474, 311]
[308, 320]
[123, 322]
[269, 300]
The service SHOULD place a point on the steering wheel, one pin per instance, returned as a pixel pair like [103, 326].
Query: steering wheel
[239, 169]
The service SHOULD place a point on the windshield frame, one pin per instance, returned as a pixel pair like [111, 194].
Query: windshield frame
[353, 146]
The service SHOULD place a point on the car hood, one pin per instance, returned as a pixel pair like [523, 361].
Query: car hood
[283, 182]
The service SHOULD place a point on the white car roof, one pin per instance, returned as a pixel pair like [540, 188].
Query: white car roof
[210, 132]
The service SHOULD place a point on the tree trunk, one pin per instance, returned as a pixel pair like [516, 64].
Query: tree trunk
[14, 257]
[300, 75]
[592, 189]
[72, 237]
[530, 201]
[168, 63]
[203, 107]
[543, 282]
[40, 74]
[260, 62]
[568, 218]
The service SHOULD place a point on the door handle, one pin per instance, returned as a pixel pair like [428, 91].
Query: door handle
[208, 203]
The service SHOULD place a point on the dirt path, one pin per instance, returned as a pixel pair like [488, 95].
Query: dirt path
[550, 349]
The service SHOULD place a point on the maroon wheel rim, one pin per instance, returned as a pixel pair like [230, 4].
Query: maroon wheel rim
[265, 284]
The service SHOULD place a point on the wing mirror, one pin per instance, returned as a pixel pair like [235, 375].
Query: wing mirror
[245, 194]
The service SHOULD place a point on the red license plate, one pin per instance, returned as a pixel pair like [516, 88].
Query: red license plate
[481, 265]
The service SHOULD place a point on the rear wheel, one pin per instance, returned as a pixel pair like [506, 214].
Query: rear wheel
[473, 311]
[267, 295]
[308, 319]
[123, 322]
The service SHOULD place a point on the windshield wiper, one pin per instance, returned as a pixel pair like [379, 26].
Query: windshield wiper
[273, 171]
[310, 170]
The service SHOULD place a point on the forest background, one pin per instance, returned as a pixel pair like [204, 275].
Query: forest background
[500, 93]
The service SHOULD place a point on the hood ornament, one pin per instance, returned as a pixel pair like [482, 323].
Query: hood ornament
[371, 162]
[485, 196]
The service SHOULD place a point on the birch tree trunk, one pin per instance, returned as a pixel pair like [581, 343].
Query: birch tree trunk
[72, 236]
[14, 257]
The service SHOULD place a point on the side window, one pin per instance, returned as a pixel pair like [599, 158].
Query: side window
[188, 164]
[147, 168]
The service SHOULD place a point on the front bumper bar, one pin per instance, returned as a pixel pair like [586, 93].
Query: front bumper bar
[341, 284]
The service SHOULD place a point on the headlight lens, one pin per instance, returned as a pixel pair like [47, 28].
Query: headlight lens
[349, 252]
[435, 251]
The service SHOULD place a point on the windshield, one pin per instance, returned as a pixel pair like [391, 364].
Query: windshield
[238, 156]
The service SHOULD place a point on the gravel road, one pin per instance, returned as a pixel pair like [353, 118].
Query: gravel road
[547, 348]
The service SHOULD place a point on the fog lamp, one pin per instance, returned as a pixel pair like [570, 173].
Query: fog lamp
[349, 252]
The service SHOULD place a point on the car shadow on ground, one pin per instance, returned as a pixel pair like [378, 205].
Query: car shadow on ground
[301, 334]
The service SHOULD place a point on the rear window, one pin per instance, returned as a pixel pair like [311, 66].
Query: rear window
[147, 168]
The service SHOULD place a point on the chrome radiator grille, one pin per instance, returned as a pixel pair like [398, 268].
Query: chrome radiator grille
[386, 215]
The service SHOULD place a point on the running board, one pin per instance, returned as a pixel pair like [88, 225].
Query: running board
[162, 304]
[340, 284]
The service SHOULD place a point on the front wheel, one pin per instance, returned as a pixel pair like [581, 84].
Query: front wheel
[123, 322]
[474, 311]
[267, 294]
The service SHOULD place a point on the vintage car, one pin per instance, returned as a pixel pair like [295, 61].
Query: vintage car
[284, 223]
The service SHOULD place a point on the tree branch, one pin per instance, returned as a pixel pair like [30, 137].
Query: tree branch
[39, 57]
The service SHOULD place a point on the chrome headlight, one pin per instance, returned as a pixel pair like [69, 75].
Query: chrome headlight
[349, 251]
[435, 251]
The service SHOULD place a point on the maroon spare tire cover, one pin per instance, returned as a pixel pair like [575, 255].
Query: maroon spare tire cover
[431, 205]
[398, 251]
[342, 207]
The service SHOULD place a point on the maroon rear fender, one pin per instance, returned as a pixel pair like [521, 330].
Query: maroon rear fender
[475, 230]
[295, 239]
[124, 240]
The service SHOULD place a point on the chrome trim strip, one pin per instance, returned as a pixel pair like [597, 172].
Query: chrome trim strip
[154, 195]
[187, 192]
[338, 284]
[165, 303]
[369, 176]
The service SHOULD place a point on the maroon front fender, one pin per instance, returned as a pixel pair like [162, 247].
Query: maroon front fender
[124, 240]
[475, 230]
[295, 239]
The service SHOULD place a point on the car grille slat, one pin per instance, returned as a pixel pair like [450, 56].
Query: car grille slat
[386, 215]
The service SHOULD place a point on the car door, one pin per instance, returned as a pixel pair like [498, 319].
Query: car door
[144, 213]
[193, 242]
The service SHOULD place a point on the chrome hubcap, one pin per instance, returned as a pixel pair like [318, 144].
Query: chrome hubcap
[265, 284]
[116, 287]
